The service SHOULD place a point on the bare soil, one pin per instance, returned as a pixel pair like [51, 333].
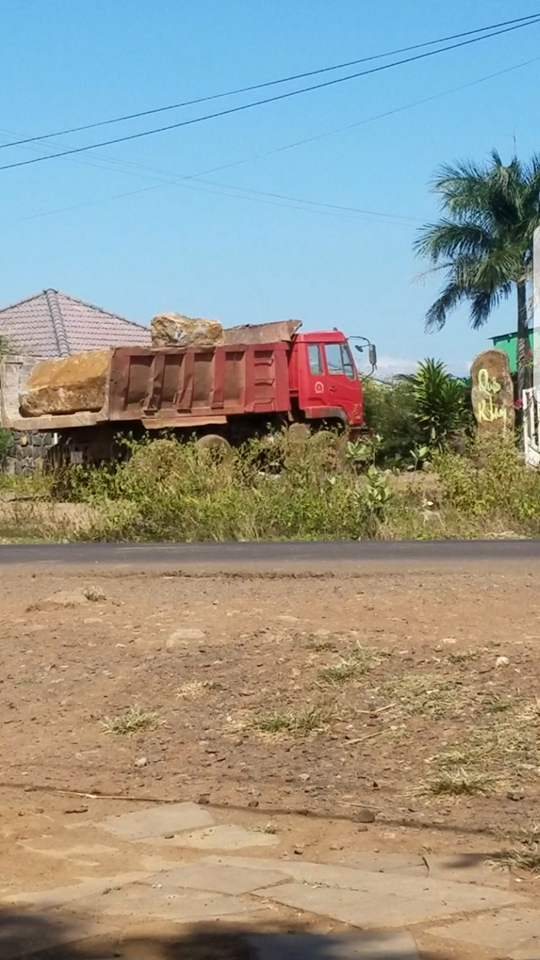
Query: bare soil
[305, 706]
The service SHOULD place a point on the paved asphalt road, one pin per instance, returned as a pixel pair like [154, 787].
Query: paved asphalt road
[274, 555]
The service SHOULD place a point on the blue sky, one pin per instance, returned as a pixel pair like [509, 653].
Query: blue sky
[104, 226]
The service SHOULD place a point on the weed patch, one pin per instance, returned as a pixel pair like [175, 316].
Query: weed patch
[455, 783]
[356, 664]
[135, 720]
[313, 719]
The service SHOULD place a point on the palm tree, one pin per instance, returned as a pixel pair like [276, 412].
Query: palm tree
[484, 242]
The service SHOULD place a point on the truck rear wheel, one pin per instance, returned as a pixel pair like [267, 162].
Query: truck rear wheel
[299, 431]
[218, 446]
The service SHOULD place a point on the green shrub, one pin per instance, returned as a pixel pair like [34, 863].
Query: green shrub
[492, 485]
[441, 403]
[175, 491]
[389, 412]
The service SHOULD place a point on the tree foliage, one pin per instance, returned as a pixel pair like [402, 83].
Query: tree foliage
[483, 243]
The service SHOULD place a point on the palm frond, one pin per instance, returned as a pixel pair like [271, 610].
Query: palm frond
[448, 239]
[483, 242]
[449, 299]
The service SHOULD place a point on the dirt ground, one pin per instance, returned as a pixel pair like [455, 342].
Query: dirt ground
[393, 712]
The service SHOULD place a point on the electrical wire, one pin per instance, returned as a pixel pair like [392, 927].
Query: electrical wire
[268, 83]
[248, 106]
[176, 180]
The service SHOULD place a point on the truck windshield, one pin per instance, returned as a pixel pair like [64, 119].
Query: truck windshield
[339, 360]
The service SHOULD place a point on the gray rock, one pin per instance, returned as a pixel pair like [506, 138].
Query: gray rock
[364, 815]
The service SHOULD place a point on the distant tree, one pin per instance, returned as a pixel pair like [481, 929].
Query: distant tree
[483, 244]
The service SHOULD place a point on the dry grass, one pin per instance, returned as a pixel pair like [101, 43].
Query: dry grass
[313, 719]
[502, 748]
[455, 783]
[269, 828]
[458, 657]
[356, 664]
[135, 720]
[425, 695]
[94, 594]
[525, 852]
[195, 689]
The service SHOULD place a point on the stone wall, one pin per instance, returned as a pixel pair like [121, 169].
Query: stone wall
[27, 452]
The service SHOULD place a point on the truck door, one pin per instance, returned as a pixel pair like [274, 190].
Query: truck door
[317, 387]
[342, 388]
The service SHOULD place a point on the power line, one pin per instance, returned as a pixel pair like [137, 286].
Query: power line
[271, 83]
[257, 103]
[180, 180]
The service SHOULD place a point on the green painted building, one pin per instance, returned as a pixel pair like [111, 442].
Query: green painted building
[508, 343]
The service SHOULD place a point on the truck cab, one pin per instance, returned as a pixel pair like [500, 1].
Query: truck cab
[324, 381]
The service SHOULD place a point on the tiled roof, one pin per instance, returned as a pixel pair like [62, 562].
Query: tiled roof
[51, 324]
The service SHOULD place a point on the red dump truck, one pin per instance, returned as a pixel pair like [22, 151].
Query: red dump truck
[220, 394]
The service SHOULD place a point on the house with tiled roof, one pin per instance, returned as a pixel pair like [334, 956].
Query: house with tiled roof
[53, 324]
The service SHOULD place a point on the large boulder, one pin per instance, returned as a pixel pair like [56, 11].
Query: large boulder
[492, 394]
[66, 386]
[175, 330]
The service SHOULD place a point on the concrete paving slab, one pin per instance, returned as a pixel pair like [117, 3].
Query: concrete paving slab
[357, 946]
[442, 897]
[466, 868]
[59, 896]
[232, 880]
[414, 866]
[381, 900]
[223, 837]
[83, 855]
[157, 903]
[21, 935]
[158, 821]
[508, 930]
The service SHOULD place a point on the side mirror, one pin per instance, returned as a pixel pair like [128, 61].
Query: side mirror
[372, 353]
[359, 348]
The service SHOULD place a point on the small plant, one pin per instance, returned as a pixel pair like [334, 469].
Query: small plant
[363, 450]
[269, 828]
[377, 490]
[463, 656]
[457, 783]
[195, 689]
[525, 854]
[311, 720]
[356, 664]
[420, 455]
[497, 703]
[135, 720]
[425, 695]
[94, 594]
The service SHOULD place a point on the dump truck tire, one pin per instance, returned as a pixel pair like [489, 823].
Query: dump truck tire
[217, 445]
[299, 431]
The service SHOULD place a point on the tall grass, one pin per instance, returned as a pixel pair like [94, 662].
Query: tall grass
[169, 490]
[286, 489]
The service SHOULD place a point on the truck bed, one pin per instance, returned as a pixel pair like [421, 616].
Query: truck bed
[166, 387]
